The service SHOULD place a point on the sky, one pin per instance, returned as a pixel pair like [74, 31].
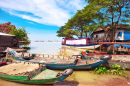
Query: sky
[42, 18]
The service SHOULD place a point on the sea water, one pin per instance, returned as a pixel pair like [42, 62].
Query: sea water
[52, 48]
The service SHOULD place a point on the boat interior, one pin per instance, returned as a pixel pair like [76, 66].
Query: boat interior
[85, 62]
[55, 59]
[32, 70]
[43, 58]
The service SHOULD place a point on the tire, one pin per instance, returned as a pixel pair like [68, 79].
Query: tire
[105, 57]
[67, 72]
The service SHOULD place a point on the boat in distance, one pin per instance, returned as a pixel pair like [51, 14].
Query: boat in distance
[84, 43]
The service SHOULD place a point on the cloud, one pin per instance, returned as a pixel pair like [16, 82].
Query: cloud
[49, 12]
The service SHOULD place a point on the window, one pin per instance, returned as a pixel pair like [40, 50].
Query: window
[101, 35]
[96, 36]
[119, 34]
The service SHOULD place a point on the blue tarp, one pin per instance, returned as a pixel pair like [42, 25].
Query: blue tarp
[128, 46]
[108, 45]
[117, 45]
[126, 35]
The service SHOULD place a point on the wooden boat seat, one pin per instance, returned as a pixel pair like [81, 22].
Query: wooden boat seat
[46, 74]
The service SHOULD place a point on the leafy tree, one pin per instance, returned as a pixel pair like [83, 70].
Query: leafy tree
[20, 33]
[6, 27]
[117, 11]
[83, 21]
[67, 33]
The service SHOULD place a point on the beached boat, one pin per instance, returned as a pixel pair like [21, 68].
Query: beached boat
[60, 62]
[30, 73]
[85, 43]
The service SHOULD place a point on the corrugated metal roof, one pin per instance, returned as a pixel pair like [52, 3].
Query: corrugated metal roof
[4, 34]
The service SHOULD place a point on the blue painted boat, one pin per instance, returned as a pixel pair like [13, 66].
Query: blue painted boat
[77, 63]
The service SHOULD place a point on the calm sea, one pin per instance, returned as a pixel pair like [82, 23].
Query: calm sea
[53, 48]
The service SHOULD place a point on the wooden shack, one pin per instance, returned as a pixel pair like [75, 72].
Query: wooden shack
[7, 40]
[122, 34]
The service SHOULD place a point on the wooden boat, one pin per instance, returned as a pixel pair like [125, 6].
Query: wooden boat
[84, 43]
[31, 73]
[60, 62]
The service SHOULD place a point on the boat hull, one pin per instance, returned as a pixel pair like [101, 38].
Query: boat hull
[90, 46]
[78, 67]
[25, 80]
[13, 72]
[67, 66]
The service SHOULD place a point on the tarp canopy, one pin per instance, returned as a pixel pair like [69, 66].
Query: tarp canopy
[117, 45]
[108, 45]
[128, 46]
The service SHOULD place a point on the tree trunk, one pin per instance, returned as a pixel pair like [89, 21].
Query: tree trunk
[86, 34]
[116, 26]
[81, 35]
[81, 32]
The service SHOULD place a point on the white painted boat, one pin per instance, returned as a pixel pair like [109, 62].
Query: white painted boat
[84, 43]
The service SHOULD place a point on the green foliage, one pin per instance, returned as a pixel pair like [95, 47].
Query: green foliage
[81, 23]
[116, 69]
[20, 33]
[96, 14]
[67, 33]
[128, 27]
[28, 48]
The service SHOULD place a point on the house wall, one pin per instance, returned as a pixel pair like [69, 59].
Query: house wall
[127, 35]
[98, 33]
[8, 41]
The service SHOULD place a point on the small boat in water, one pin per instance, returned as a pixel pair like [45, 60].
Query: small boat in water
[84, 43]
[60, 62]
[30, 73]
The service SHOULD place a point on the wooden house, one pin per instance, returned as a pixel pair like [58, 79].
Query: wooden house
[103, 35]
[7, 40]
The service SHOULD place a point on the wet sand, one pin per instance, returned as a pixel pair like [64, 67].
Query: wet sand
[83, 78]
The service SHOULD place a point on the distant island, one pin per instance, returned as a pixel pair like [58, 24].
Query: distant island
[46, 41]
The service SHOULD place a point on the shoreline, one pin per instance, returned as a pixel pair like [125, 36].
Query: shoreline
[83, 78]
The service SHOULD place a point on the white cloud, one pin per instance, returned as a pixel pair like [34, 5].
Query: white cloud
[49, 12]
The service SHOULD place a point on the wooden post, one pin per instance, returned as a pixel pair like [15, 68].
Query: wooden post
[100, 47]
[128, 50]
[7, 54]
[94, 47]
[113, 49]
